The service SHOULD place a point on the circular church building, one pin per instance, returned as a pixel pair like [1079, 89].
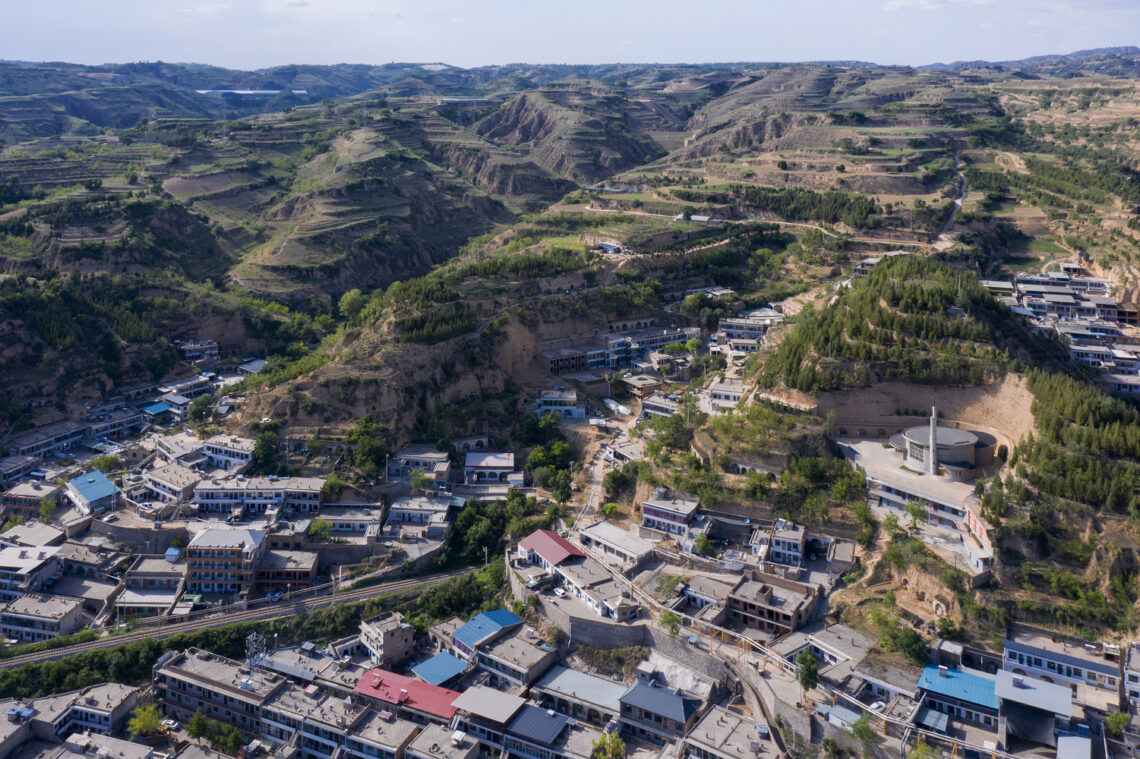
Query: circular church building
[957, 453]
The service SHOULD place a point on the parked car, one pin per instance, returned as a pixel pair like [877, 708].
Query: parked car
[878, 706]
[560, 592]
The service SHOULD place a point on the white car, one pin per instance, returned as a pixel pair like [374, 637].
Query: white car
[878, 706]
[170, 724]
[560, 592]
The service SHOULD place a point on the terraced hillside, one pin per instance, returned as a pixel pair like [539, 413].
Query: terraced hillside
[292, 208]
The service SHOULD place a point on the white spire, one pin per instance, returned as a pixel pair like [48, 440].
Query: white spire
[933, 456]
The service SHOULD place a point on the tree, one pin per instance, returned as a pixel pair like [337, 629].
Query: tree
[225, 738]
[862, 730]
[915, 512]
[321, 529]
[145, 720]
[671, 622]
[265, 449]
[107, 464]
[560, 485]
[1117, 722]
[608, 511]
[923, 750]
[807, 673]
[333, 485]
[891, 524]
[608, 746]
[48, 507]
[370, 449]
[201, 408]
[197, 727]
[612, 379]
[420, 480]
[704, 545]
[351, 304]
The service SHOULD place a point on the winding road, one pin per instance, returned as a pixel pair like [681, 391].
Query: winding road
[943, 240]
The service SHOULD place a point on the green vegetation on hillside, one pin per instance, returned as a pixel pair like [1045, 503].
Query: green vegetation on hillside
[897, 324]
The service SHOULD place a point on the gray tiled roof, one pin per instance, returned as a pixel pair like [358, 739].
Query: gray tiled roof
[667, 703]
[538, 725]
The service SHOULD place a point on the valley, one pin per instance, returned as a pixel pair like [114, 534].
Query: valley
[861, 339]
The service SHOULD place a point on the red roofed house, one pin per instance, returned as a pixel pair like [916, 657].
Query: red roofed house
[547, 548]
[412, 698]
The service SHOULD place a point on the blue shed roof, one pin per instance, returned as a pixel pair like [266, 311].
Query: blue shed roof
[93, 486]
[968, 685]
[439, 669]
[155, 409]
[483, 625]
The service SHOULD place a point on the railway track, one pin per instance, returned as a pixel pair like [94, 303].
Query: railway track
[253, 615]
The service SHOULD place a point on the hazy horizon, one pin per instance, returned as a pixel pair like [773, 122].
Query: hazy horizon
[255, 34]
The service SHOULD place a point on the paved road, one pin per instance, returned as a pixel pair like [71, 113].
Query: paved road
[256, 615]
[796, 224]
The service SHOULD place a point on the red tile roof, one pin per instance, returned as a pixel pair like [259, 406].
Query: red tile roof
[552, 547]
[390, 688]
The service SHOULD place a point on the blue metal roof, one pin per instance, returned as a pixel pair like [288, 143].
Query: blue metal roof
[155, 409]
[538, 725]
[439, 669]
[483, 625]
[967, 685]
[93, 486]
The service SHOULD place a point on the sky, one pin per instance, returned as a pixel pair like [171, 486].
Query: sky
[250, 34]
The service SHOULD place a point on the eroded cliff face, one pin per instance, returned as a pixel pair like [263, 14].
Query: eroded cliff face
[402, 384]
[527, 183]
[575, 144]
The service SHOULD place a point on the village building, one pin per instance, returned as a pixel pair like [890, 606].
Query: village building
[93, 493]
[223, 561]
[285, 571]
[388, 638]
[561, 401]
[229, 452]
[488, 467]
[153, 585]
[669, 512]
[27, 570]
[26, 498]
[244, 496]
[34, 617]
[172, 482]
[192, 680]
